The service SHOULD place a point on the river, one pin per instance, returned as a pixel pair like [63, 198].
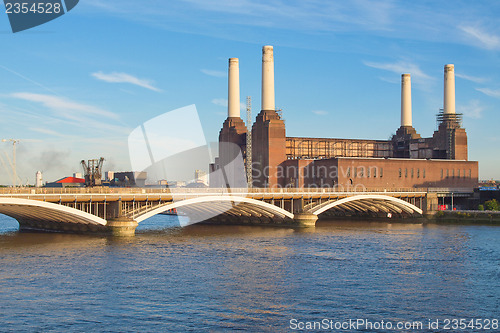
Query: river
[216, 278]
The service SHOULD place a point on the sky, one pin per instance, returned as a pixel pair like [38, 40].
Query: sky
[76, 87]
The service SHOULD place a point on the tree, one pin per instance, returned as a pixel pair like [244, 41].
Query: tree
[480, 207]
[492, 205]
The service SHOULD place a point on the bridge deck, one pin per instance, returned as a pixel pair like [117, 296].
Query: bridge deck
[125, 206]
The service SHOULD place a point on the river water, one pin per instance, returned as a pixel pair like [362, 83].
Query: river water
[217, 278]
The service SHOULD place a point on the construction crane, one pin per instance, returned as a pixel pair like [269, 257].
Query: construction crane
[13, 163]
[93, 172]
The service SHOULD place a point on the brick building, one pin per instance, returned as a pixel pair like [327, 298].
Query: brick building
[405, 161]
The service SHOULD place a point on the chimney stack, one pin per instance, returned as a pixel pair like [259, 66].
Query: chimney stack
[267, 78]
[233, 101]
[406, 117]
[449, 89]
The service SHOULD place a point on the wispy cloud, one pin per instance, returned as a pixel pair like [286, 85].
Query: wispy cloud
[471, 78]
[116, 77]
[292, 14]
[47, 131]
[320, 112]
[223, 102]
[220, 102]
[484, 39]
[63, 106]
[28, 79]
[490, 92]
[67, 114]
[400, 67]
[472, 110]
[214, 73]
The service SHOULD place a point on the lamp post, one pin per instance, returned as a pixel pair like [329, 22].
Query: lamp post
[14, 172]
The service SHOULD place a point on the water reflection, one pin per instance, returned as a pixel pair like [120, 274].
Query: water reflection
[241, 277]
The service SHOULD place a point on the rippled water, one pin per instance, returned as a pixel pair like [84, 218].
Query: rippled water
[213, 278]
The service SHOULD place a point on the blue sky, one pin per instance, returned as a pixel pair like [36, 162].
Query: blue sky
[75, 87]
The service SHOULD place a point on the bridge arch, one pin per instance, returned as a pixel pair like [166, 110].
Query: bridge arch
[371, 202]
[221, 204]
[35, 210]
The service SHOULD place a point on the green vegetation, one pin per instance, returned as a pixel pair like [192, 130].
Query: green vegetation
[492, 205]
[480, 207]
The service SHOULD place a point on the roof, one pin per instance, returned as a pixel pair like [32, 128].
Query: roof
[71, 180]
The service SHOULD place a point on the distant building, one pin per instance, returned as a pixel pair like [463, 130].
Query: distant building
[67, 182]
[39, 179]
[129, 179]
[109, 176]
[201, 176]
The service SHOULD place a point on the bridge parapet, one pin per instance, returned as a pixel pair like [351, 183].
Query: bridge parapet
[283, 206]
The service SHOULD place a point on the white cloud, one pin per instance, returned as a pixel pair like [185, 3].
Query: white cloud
[116, 77]
[320, 112]
[490, 92]
[63, 106]
[471, 110]
[470, 78]
[214, 73]
[220, 102]
[485, 39]
[400, 67]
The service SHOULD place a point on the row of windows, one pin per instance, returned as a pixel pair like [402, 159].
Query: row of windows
[458, 174]
[370, 172]
[412, 173]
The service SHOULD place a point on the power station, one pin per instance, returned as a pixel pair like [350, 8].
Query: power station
[405, 161]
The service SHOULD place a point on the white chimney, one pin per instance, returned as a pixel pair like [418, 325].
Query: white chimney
[233, 101]
[267, 78]
[406, 119]
[449, 89]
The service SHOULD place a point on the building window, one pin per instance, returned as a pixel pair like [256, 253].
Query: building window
[442, 173]
[418, 173]
[464, 174]
[361, 172]
[400, 173]
[411, 172]
[458, 175]
[355, 172]
[453, 173]
[406, 172]
[375, 172]
[447, 173]
[424, 173]
[382, 172]
[348, 172]
[470, 173]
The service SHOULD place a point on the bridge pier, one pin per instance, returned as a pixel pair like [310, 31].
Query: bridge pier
[121, 226]
[305, 220]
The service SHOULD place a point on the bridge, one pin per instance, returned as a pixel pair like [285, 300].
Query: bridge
[118, 211]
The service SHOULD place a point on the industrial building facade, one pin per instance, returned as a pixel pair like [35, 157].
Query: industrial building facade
[405, 161]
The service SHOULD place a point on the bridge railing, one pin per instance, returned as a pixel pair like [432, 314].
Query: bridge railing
[149, 190]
